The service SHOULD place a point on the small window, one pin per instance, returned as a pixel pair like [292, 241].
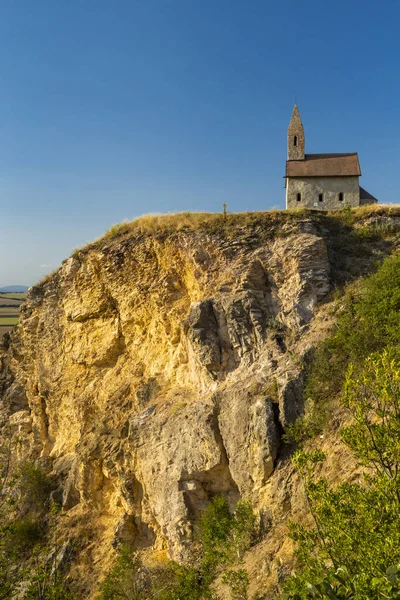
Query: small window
[320, 197]
[298, 197]
[341, 196]
[295, 140]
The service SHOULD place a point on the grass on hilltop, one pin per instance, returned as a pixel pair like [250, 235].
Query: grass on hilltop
[266, 225]
[191, 221]
[194, 221]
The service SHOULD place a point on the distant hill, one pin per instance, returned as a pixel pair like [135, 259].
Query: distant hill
[13, 288]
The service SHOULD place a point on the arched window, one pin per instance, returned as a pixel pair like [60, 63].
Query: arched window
[341, 196]
[298, 197]
[320, 197]
[295, 140]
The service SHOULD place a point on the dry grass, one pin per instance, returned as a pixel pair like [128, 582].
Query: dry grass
[373, 210]
[155, 223]
[269, 223]
[187, 221]
[171, 221]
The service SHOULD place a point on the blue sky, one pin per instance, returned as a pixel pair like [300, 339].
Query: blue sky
[112, 109]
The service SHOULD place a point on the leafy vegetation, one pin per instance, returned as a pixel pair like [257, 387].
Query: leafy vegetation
[353, 552]
[222, 539]
[34, 486]
[368, 321]
[25, 520]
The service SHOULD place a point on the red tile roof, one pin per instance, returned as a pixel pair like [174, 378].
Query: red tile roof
[324, 165]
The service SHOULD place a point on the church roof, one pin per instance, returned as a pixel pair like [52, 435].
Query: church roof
[324, 165]
[364, 195]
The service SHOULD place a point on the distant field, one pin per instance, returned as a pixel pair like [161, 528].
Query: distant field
[8, 314]
[9, 302]
[4, 329]
[9, 310]
[9, 320]
[14, 295]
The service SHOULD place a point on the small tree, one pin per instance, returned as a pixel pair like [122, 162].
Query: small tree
[222, 539]
[34, 487]
[46, 581]
[368, 321]
[238, 582]
[354, 550]
[128, 579]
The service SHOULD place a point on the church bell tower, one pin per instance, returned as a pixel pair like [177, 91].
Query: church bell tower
[296, 141]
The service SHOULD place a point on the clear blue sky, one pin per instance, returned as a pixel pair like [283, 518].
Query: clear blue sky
[114, 108]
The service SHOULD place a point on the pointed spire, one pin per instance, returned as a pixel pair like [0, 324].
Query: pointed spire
[296, 111]
[296, 139]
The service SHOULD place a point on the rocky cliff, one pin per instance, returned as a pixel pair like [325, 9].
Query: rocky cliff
[159, 367]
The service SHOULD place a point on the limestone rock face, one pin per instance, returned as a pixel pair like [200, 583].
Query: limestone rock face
[250, 428]
[203, 333]
[156, 370]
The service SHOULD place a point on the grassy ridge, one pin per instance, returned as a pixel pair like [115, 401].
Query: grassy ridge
[193, 221]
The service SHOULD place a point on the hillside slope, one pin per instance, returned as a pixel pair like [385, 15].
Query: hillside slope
[160, 366]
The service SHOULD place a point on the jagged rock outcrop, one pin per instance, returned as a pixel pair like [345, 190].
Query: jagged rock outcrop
[155, 371]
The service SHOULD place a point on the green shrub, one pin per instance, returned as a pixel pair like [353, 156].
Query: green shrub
[21, 535]
[126, 580]
[222, 539]
[353, 552]
[42, 590]
[24, 522]
[243, 532]
[224, 536]
[34, 486]
[46, 580]
[214, 528]
[178, 582]
[238, 582]
[369, 321]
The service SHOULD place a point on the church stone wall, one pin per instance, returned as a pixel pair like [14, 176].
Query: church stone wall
[330, 187]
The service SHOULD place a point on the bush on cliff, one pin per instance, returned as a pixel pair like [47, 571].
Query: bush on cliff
[25, 518]
[353, 552]
[34, 487]
[222, 539]
[369, 321]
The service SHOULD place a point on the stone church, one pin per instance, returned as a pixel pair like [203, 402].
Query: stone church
[321, 181]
